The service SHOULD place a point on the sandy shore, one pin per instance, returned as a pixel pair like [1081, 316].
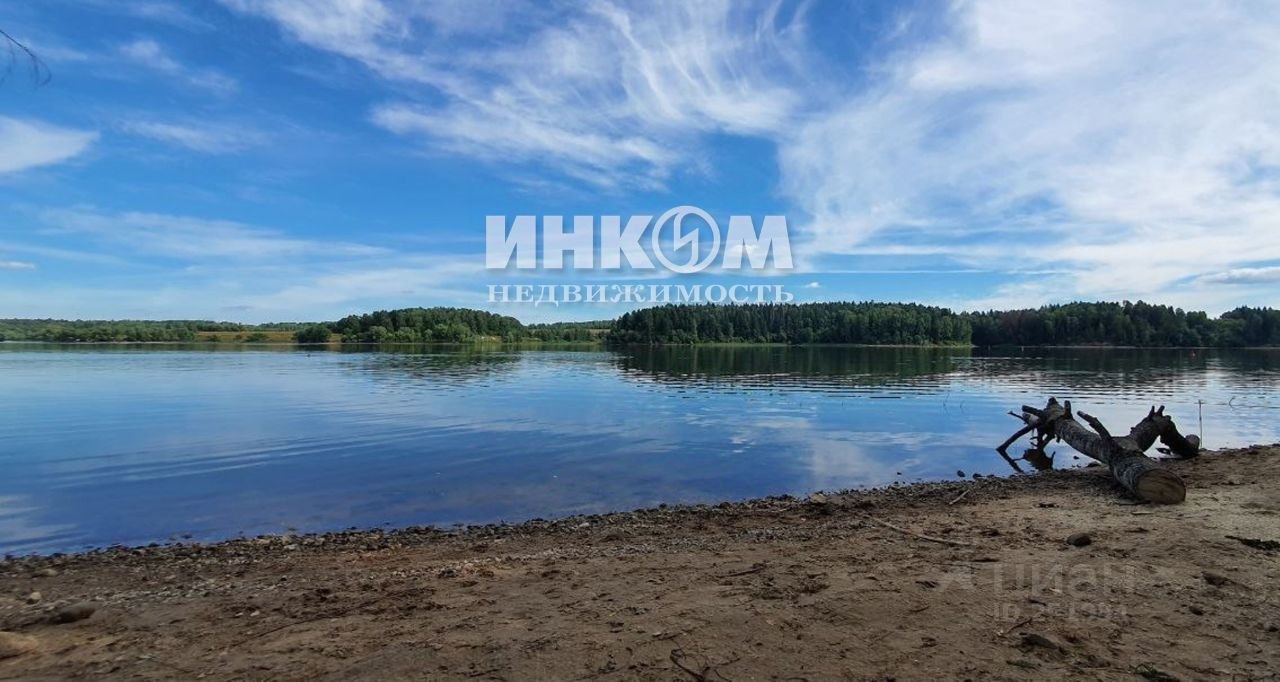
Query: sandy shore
[834, 587]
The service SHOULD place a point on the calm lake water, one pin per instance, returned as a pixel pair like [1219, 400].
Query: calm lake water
[102, 445]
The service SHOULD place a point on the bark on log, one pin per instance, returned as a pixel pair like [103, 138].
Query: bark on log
[1123, 455]
[1158, 425]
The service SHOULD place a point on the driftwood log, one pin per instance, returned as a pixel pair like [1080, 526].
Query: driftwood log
[1123, 455]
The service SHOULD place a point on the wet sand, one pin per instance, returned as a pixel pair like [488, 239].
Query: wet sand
[965, 580]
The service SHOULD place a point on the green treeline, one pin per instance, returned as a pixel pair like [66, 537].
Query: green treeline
[72, 331]
[452, 325]
[426, 325]
[870, 323]
[409, 325]
[1125, 324]
[568, 332]
[1119, 324]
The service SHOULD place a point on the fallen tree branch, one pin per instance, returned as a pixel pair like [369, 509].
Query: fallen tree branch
[1123, 455]
[912, 533]
[1003, 447]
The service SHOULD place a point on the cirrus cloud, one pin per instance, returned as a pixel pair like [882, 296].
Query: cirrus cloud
[614, 94]
[200, 137]
[32, 144]
[1136, 150]
[1244, 276]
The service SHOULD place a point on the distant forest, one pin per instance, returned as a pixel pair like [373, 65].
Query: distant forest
[1116, 324]
[451, 325]
[409, 325]
[71, 331]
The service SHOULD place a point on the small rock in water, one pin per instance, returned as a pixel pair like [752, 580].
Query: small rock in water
[1079, 539]
[1216, 579]
[13, 644]
[960, 473]
[73, 613]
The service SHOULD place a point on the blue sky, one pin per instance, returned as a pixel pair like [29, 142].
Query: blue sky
[261, 160]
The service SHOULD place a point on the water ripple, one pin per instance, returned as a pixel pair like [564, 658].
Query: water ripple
[132, 445]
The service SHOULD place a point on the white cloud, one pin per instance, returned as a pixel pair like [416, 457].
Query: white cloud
[166, 266]
[151, 55]
[1138, 148]
[71, 255]
[200, 137]
[172, 13]
[1133, 150]
[1244, 276]
[414, 280]
[194, 239]
[257, 292]
[352, 28]
[16, 265]
[168, 13]
[611, 95]
[31, 144]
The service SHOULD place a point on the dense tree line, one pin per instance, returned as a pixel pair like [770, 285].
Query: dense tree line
[1125, 324]
[1246, 326]
[427, 325]
[1119, 324]
[447, 325]
[68, 331]
[99, 331]
[866, 323]
[409, 325]
[313, 333]
[568, 332]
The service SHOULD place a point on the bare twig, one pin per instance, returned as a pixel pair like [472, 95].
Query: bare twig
[904, 531]
[39, 72]
[678, 656]
[1003, 447]
[1015, 626]
[756, 568]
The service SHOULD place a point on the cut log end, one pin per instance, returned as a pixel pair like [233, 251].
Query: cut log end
[1160, 486]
